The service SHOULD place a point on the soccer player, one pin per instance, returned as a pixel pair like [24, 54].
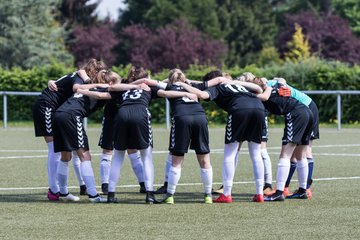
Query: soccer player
[44, 108]
[245, 120]
[189, 128]
[298, 125]
[306, 100]
[70, 135]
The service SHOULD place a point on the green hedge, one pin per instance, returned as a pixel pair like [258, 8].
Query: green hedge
[310, 74]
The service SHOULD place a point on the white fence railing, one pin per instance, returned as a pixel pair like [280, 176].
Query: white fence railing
[338, 93]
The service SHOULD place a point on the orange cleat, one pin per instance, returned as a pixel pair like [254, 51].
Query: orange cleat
[286, 192]
[223, 199]
[258, 198]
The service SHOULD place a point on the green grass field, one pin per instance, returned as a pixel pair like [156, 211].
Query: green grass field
[333, 213]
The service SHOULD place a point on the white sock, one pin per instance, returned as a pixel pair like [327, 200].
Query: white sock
[282, 173]
[88, 175]
[237, 156]
[302, 172]
[228, 166]
[146, 157]
[62, 176]
[258, 165]
[137, 166]
[206, 178]
[105, 165]
[267, 166]
[173, 180]
[76, 163]
[52, 165]
[115, 169]
[167, 167]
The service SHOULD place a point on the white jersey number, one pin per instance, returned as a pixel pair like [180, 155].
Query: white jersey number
[135, 94]
[236, 88]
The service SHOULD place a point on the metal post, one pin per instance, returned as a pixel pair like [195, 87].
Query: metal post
[339, 111]
[167, 107]
[5, 110]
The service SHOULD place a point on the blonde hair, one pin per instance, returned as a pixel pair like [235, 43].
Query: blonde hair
[226, 75]
[107, 76]
[176, 75]
[246, 77]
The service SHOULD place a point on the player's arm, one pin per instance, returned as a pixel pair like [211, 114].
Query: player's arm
[94, 94]
[52, 85]
[250, 86]
[125, 87]
[176, 94]
[200, 94]
[264, 96]
[89, 86]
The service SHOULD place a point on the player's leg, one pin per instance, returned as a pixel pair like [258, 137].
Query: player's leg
[63, 176]
[258, 169]
[105, 165]
[115, 170]
[163, 188]
[77, 168]
[138, 168]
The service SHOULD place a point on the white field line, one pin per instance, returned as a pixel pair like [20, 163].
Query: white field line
[181, 184]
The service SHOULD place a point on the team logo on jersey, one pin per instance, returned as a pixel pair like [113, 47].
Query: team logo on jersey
[289, 127]
[229, 128]
[48, 125]
[172, 133]
[79, 129]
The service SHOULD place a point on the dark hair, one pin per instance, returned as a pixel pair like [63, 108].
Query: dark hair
[136, 73]
[92, 67]
[211, 75]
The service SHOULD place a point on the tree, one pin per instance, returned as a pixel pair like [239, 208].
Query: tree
[29, 36]
[349, 10]
[175, 45]
[89, 42]
[330, 37]
[299, 47]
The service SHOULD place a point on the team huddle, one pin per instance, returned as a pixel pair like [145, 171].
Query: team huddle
[61, 108]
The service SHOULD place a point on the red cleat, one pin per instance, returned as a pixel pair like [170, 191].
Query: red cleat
[53, 196]
[223, 199]
[309, 193]
[258, 198]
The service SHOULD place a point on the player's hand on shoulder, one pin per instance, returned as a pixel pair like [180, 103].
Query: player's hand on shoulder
[52, 86]
[145, 87]
[192, 96]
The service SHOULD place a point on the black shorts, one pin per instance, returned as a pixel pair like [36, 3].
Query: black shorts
[132, 128]
[315, 134]
[245, 125]
[265, 130]
[69, 132]
[298, 126]
[42, 114]
[189, 130]
[106, 140]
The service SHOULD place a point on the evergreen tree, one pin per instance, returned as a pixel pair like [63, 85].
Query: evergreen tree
[29, 36]
[349, 10]
[299, 47]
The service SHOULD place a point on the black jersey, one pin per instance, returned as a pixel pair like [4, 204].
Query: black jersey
[280, 105]
[135, 96]
[81, 105]
[182, 105]
[65, 90]
[231, 97]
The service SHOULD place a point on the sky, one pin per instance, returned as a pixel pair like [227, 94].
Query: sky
[109, 7]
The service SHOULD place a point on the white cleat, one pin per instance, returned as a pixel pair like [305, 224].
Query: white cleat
[97, 199]
[69, 198]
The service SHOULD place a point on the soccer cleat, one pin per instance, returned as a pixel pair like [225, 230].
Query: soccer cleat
[309, 193]
[53, 196]
[142, 187]
[69, 197]
[219, 191]
[277, 196]
[111, 198]
[298, 194]
[258, 198]
[162, 189]
[223, 199]
[268, 190]
[150, 198]
[208, 199]
[286, 192]
[105, 188]
[97, 199]
[83, 190]
[169, 199]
